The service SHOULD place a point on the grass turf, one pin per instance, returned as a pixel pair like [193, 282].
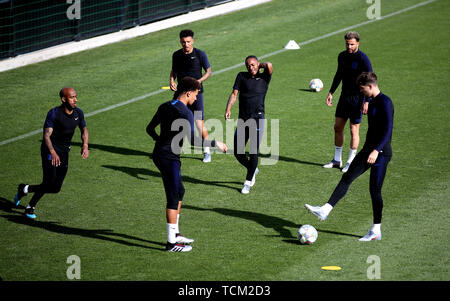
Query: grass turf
[110, 211]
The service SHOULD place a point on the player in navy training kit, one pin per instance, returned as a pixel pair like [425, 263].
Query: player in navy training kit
[190, 61]
[59, 128]
[252, 87]
[375, 154]
[351, 63]
[166, 154]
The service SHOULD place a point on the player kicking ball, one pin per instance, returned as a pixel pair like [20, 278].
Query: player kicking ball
[166, 154]
[375, 154]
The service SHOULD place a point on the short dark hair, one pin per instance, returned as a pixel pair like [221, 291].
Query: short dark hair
[352, 35]
[188, 84]
[367, 78]
[186, 33]
[62, 92]
[250, 57]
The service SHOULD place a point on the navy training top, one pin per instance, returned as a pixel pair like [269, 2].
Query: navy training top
[63, 126]
[252, 93]
[381, 123]
[190, 64]
[169, 142]
[350, 66]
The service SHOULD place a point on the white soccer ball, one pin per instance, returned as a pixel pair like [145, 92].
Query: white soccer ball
[307, 234]
[316, 85]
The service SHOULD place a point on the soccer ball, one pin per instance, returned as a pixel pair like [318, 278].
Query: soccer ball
[307, 234]
[316, 85]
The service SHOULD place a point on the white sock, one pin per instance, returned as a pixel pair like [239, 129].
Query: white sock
[247, 183]
[376, 228]
[327, 208]
[351, 155]
[206, 150]
[177, 228]
[338, 153]
[25, 189]
[171, 231]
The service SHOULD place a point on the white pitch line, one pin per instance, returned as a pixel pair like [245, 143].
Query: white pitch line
[233, 67]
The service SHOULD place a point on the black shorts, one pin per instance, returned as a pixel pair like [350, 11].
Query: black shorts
[171, 176]
[350, 107]
[53, 176]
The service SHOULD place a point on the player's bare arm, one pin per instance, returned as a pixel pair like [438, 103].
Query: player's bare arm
[205, 76]
[173, 84]
[85, 140]
[230, 103]
[365, 107]
[267, 66]
[48, 142]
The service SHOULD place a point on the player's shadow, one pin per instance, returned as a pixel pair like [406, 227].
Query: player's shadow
[16, 216]
[290, 160]
[125, 151]
[307, 90]
[116, 149]
[132, 152]
[139, 172]
[267, 221]
[338, 233]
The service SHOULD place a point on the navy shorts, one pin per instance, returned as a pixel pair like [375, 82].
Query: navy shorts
[171, 176]
[197, 107]
[350, 107]
[53, 176]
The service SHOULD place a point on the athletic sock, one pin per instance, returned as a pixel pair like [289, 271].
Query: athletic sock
[206, 150]
[376, 228]
[352, 155]
[327, 208]
[177, 228]
[171, 233]
[338, 153]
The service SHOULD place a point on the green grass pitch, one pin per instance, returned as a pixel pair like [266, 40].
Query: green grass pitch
[111, 210]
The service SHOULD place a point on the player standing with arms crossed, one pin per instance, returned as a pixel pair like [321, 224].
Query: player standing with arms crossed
[190, 61]
[251, 86]
[375, 154]
[351, 63]
[59, 128]
[166, 155]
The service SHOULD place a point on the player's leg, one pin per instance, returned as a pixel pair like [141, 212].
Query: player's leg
[240, 140]
[358, 167]
[255, 141]
[377, 175]
[198, 110]
[355, 121]
[174, 189]
[241, 137]
[47, 173]
[339, 126]
[53, 179]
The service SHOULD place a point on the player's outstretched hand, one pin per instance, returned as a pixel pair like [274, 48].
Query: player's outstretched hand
[222, 146]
